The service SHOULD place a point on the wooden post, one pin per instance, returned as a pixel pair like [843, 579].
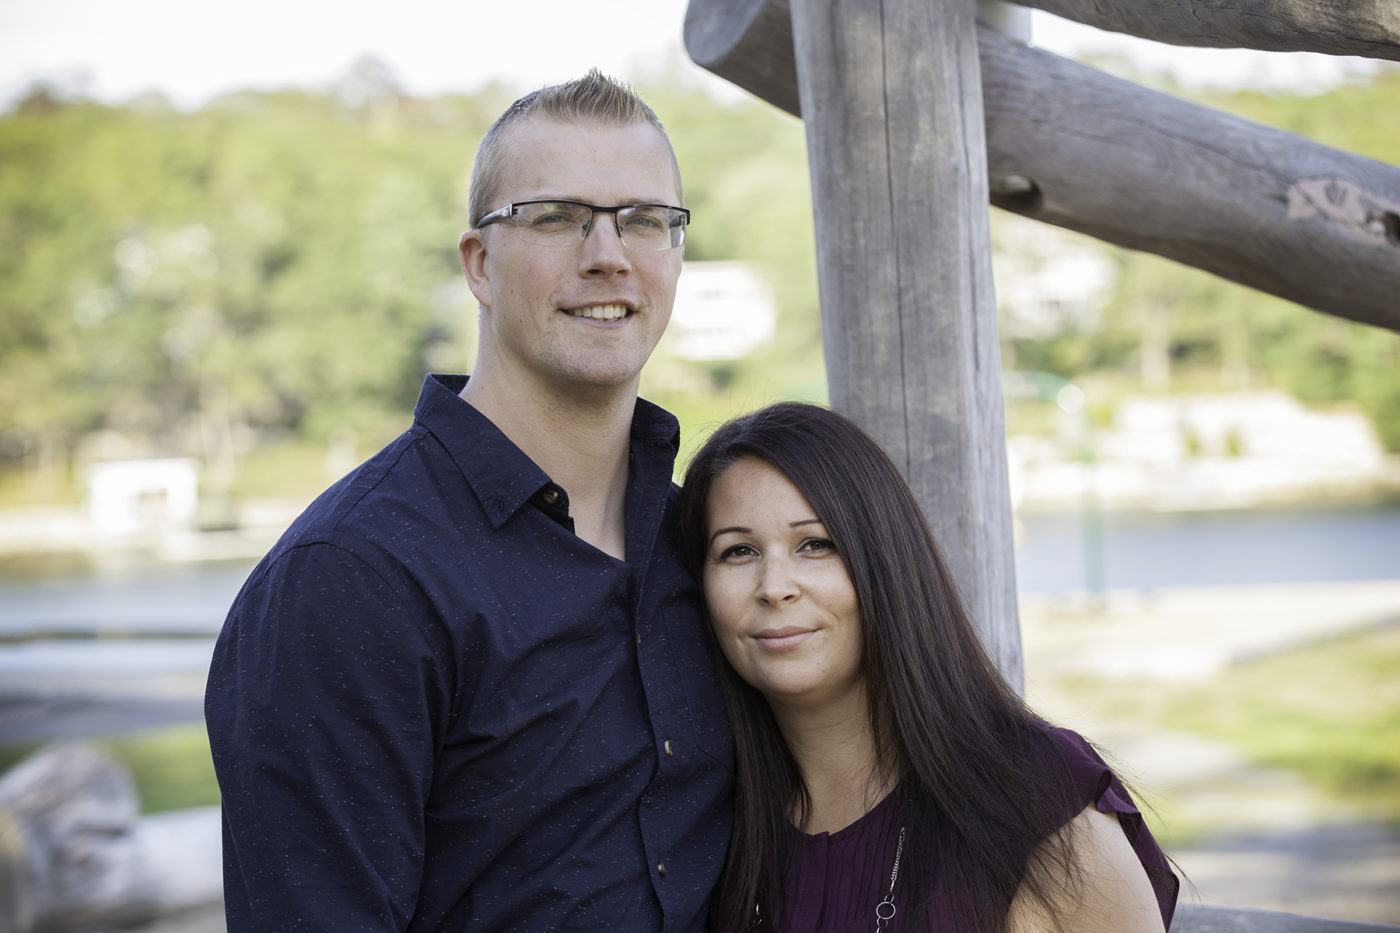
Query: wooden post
[891, 98]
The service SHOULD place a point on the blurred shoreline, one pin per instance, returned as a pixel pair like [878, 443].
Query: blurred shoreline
[55, 532]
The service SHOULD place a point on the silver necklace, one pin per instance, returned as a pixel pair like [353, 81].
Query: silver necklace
[885, 910]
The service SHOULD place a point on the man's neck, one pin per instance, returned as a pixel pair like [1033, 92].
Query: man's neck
[580, 439]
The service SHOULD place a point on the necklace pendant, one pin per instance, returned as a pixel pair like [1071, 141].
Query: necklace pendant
[884, 913]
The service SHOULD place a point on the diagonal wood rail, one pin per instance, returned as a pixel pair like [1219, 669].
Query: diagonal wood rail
[1351, 27]
[1074, 147]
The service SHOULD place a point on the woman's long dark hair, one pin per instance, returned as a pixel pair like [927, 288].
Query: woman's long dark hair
[971, 758]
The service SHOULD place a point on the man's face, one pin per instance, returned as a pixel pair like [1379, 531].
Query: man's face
[585, 316]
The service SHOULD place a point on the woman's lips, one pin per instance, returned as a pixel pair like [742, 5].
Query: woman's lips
[783, 639]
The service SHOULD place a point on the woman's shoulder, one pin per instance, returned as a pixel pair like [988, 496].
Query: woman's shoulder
[1098, 792]
[1107, 890]
[1091, 778]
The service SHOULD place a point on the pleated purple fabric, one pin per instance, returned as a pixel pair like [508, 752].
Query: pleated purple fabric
[839, 878]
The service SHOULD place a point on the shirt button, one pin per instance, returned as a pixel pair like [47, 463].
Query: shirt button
[551, 496]
[661, 869]
[667, 746]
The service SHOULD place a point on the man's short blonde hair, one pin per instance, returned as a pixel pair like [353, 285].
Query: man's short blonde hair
[594, 98]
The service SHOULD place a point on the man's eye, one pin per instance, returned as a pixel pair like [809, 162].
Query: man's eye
[553, 219]
[645, 222]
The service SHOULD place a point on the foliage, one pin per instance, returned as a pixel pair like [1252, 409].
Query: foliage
[279, 269]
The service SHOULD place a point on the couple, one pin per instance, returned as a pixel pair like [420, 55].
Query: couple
[474, 685]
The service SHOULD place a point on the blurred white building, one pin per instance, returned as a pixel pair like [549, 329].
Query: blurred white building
[142, 499]
[723, 311]
[1200, 452]
[1047, 280]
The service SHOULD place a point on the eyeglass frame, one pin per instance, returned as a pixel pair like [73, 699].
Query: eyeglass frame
[504, 214]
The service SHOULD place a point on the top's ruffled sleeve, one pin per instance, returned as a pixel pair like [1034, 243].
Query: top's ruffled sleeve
[1096, 783]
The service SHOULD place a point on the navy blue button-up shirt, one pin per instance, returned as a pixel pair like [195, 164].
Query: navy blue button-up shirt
[432, 706]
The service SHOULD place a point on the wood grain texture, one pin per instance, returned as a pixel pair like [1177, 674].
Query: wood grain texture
[1370, 28]
[892, 94]
[1072, 146]
[1130, 166]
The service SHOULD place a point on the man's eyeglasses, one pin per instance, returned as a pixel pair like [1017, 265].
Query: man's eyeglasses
[566, 223]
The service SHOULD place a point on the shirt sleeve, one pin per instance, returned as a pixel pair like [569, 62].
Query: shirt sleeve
[1095, 783]
[324, 704]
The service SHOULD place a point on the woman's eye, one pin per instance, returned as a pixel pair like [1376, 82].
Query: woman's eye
[817, 545]
[735, 551]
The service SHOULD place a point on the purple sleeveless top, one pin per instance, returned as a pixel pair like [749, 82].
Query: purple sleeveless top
[839, 878]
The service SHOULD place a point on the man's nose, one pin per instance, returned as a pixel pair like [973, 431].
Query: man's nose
[603, 250]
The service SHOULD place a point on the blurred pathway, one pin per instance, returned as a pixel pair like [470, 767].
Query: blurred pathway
[1273, 842]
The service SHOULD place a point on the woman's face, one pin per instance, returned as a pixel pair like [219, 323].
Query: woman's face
[780, 599]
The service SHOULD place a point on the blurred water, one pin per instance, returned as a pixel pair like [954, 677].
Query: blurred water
[1064, 551]
[1056, 552]
[127, 596]
[124, 641]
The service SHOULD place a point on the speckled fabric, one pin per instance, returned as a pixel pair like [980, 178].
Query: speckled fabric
[433, 707]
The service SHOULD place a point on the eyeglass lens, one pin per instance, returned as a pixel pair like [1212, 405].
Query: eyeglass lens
[563, 223]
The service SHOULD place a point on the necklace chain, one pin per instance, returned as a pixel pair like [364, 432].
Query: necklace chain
[885, 910]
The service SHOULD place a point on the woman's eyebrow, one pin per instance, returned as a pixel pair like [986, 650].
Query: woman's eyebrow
[732, 528]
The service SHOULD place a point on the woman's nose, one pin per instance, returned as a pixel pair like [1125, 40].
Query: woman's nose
[776, 582]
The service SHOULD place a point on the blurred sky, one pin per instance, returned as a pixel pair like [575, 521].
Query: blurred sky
[191, 50]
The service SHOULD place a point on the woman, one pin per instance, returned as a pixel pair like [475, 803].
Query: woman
[887, 775]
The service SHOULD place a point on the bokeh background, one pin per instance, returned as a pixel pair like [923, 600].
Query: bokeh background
[227, 259]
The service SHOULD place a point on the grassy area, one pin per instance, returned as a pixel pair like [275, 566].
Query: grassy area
[23, 488]
[1329, 713]
[171, 767]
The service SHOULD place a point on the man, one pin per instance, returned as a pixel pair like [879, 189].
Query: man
[469, 689]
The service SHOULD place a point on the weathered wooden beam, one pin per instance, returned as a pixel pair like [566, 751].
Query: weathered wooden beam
[1071, 146]
[76, 854]
[1080, 149]
[1355, 27]
[892, 93]
[748, 43]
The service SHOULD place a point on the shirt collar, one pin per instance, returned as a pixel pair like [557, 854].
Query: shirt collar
[502, 476]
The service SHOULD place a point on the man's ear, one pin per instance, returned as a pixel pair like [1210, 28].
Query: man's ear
[472, 250]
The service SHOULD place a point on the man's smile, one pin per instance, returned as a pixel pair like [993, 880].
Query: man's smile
[609, 312]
